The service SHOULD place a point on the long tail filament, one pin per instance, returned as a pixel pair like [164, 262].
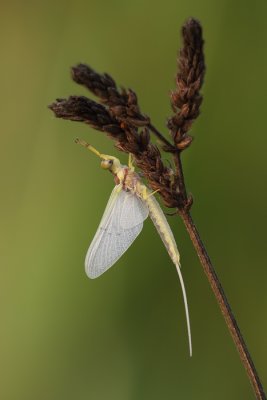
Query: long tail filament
[186, 308]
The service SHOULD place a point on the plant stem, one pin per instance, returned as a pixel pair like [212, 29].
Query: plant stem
[160, 136]
[224, 304]
[215, 283]
[180, 175]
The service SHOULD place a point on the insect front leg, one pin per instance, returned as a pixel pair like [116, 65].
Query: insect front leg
[130, 162]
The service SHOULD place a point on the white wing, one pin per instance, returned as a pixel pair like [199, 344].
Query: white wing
[120, 225]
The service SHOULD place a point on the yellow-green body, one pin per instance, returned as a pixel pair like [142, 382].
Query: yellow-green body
[128, 180]
[131, 181]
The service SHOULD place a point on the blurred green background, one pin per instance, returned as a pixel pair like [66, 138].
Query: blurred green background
[123, 336]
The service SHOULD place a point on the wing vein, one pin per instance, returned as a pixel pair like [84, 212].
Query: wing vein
[120, 225]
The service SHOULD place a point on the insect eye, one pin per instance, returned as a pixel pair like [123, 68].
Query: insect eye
[106, 164]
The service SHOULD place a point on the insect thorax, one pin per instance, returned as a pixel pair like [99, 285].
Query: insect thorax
[129, 179]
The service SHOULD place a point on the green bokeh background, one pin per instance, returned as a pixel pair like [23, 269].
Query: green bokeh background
[123, 336]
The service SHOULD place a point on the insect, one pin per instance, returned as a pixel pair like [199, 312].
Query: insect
[130, 203]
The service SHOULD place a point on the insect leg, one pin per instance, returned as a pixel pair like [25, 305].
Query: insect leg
[146, 194]
[130, 162]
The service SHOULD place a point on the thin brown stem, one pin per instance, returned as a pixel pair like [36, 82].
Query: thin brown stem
[216, 284]
[213, 278]
[224, 305]
[160, 136]
[180, 175]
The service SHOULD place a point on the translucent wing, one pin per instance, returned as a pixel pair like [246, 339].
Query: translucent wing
[120, 225]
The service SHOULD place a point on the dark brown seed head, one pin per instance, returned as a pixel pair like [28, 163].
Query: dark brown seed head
[186, 99]
[119, 115]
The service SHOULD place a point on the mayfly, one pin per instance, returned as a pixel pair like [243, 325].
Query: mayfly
[129, 205]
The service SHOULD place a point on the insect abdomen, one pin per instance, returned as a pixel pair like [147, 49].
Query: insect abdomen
[163, 228]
